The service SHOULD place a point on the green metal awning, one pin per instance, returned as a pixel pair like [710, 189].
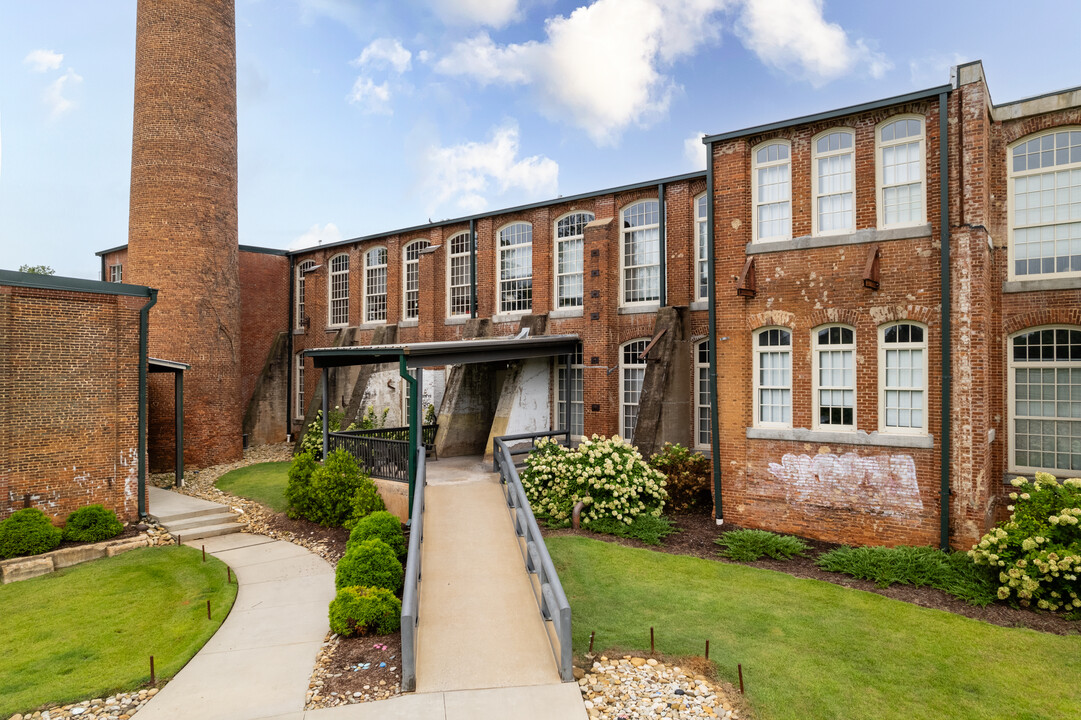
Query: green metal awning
[452, 352]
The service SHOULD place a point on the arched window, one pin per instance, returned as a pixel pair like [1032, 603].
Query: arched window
[458, 287]
[834, 357]
[577, 388]
[338, 287]
[702, 419]
[1045, 205]
[773, 377]
[302, 269]
[902, 373]
[641, 253]
[516, 268]
[833, 182]
[375, 285]
[900, 171]
[570, 234]
[1045, 400]
[772, 191]
[632, 373]
[701, 249]
[411, 278]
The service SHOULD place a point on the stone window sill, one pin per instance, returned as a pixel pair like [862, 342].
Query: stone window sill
[509, 317]
[457, 320]
[874, 439]
[860, 237]
[700, 305]
[639, 309]
[414, 322]
[1021, 286]
[372, 325]
[565, 313]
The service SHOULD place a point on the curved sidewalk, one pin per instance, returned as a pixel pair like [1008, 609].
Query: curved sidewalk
[260, 661]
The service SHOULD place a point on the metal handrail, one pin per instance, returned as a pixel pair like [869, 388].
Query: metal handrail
[410, 590]
[531, 437]
[551, 600]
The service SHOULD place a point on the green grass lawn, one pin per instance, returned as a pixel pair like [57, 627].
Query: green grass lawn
[812, 649]
[264, 483]
[88, 631]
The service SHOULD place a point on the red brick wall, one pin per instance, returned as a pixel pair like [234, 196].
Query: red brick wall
[264, 312]
[183, 220]
[69, 393]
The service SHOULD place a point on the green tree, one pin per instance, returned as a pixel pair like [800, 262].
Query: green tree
[37, 269]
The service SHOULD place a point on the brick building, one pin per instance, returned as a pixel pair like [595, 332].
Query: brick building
[850, 399]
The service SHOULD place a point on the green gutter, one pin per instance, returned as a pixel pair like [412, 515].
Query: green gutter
[663, 246]
[947, 378]
[711, 295]
[144, 331]
[413, 429]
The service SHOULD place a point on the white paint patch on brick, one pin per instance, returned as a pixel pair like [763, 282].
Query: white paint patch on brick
[883, 484]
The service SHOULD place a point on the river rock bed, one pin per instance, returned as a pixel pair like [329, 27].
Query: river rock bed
[636, 687]
[115, 707]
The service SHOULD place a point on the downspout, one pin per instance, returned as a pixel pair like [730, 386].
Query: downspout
[947, 378]
[413, 429]
[144, 331]
[104, 277]
[711, 296]
[472, 286]
[290, 324]
[663, 245]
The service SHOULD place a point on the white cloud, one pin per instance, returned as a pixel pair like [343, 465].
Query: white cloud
[42, 60]
[54, 93]
[465, 175]
[493, 13]
[316, 235]
[372, 99]
[793, 36]
[695, 151]
[384, 53]
[934, 69]
[424, 56]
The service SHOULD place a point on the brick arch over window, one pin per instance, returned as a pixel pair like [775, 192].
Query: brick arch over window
[779, 318]
[914, 313]
[835, 316]
[1013, 131]
[1043, 316]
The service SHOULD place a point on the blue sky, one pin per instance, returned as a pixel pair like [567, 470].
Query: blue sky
[358, 117]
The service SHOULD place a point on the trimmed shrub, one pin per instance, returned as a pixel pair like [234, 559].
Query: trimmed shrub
[689, 477]
[92, 523]
[1036, 554]
[645, 528]
[359, 610]
[609, 476]
[370, 563]
[28, 532]
[382, 525]
[750, 545]
[333, 487]
[366, 501]
[298, 490]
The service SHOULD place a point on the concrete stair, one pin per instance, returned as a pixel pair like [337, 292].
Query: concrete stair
[192, 518]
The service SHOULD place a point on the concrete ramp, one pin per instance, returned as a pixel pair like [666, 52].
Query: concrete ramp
[479, 625]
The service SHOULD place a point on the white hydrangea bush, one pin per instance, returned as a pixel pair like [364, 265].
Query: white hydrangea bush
[1037, 553]
[608, 475]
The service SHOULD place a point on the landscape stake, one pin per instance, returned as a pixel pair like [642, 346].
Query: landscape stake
[153, 681]
[229, 577]
[740, 668]
[204, 553]
[707, 649]
[207, 609]
[650, 639]
[591, 636]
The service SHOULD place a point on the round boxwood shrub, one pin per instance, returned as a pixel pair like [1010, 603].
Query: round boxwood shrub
[92, 523]
[370, 563]
[365, 502]
[298, 489]
[359, 610]
[332, 489]
[28, 532]
[382, 525]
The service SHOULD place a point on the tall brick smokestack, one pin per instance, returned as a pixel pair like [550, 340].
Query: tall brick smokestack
[182, 232]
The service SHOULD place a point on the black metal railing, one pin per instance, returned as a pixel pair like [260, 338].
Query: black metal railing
[382, 452]
[397, 433]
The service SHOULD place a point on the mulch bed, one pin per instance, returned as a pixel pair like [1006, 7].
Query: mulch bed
[333, 537]
[346, 673]
[129, 531]
[698, 531]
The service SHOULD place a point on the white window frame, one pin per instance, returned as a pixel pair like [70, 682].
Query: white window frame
[452, 257]
[623, 368]
[1071, 166]
[340, 275]
[880, 166]
[701, 248]
[372, 273]
[300, 292]
[703, 416]
[577, 392]
[298, 397]
[815, 194]
[816, 378]
[556, 274]
[758, 351]
[116, 273]
[1012, 365]
[756, 201]
[413, 247]
[501, 251]
[624, 233]
[882, 370]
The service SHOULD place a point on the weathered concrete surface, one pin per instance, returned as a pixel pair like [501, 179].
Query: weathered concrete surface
[26, 569]
[123, 547]
[524, 401]
[395, 496]
[467, 411]
[341, 339]
[664, 410]
[533, 702]
[75, 555]
[362, 376]
[264, 420]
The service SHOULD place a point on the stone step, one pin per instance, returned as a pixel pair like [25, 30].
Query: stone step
[216, 518]
[167, 518]
[211, 531]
